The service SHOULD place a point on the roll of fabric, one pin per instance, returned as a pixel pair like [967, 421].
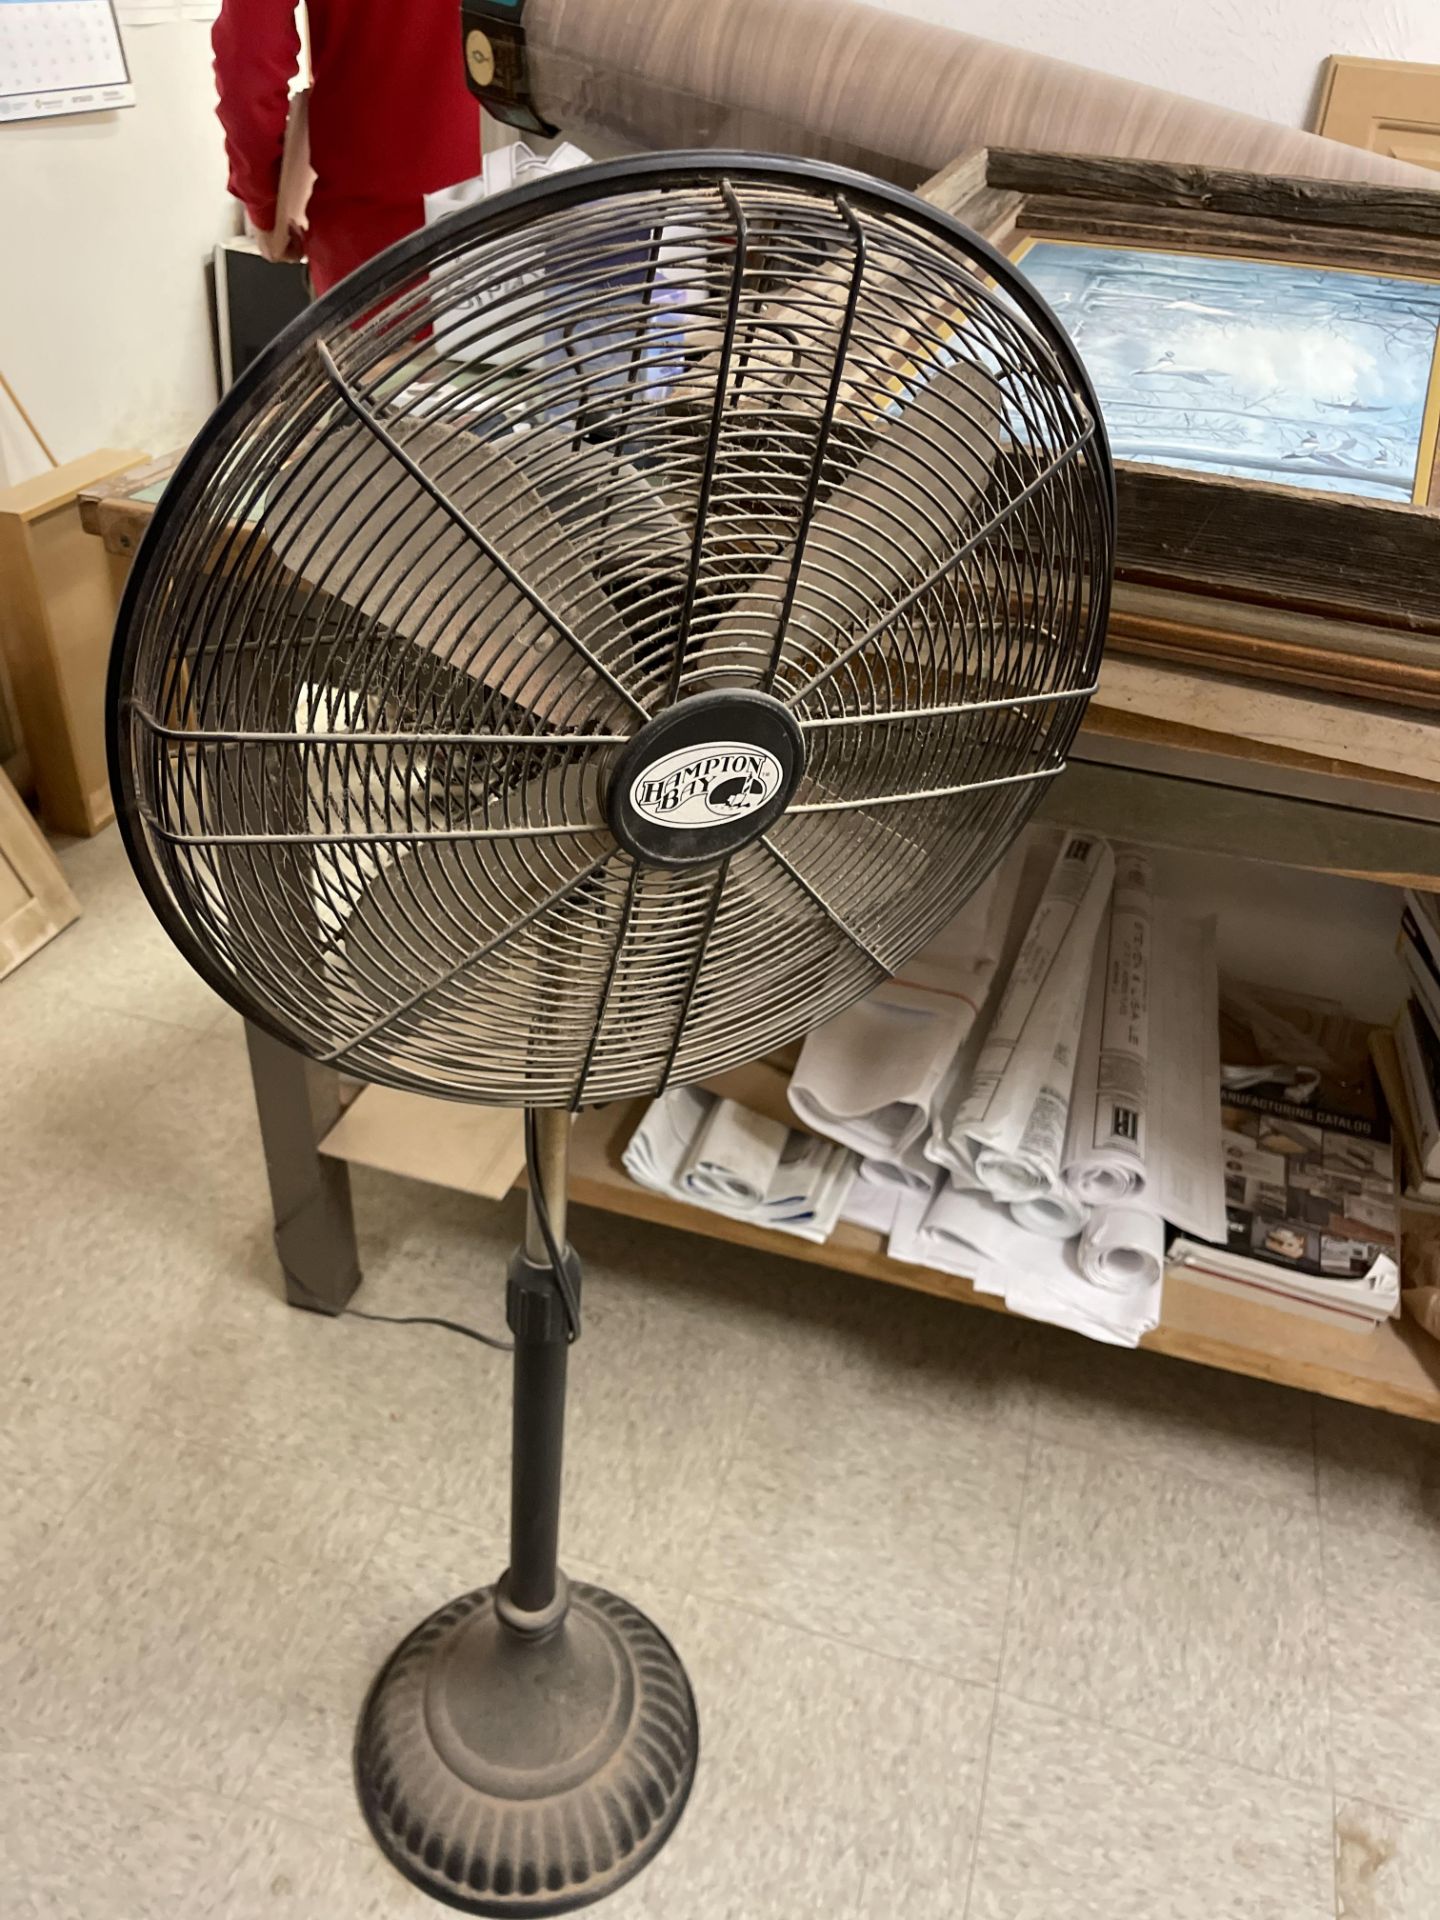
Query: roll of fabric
[899, 97]
[1122, 1249]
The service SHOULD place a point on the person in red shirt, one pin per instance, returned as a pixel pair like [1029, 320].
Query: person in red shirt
[391, 119]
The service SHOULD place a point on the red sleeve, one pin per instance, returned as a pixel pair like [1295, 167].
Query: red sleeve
[257, 49]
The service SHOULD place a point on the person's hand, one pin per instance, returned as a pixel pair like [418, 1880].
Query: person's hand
[275, 245]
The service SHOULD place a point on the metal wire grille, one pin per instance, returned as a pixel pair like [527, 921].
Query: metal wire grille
[558, 464]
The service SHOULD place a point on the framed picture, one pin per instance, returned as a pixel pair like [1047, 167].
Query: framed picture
[1267, 355]
[1321, 378]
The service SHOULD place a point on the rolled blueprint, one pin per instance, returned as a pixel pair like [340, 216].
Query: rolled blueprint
[808, 1188]
[970, 1235]
[869, 1077]
[666, 1133]
[1030, 1177]
[686, 1147]
[735, 1157]
[961, 1231]
[870, 1202]
[1105, 1155]
[990, 1114]
[1057, 1214]
[1123, 1249]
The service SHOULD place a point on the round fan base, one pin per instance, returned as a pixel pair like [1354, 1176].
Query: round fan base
[512, 1773]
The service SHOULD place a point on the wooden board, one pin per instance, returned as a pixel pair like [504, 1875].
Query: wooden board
[1276, 644]
[477, 1150]
[1396, 1368]
[120, 508]
[1263, 196]
[35, 899]
[1174, 745]
[1367, 738]
[14, 760]
[1386, 106]
[1209, 815]
[1195, 230]
[57, 613]
[1324, 553]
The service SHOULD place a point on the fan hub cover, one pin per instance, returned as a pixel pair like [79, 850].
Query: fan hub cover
[705, 777]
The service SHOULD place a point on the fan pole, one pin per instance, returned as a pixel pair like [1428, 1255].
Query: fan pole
[541, 1354]
[530, 1746]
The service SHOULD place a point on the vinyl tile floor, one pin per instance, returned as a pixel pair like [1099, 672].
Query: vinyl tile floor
[985, 1623]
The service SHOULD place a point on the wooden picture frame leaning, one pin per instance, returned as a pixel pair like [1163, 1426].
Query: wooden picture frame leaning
[1324, 590]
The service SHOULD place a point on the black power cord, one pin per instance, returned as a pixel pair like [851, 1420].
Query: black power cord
[553, 1251]
[434, 1320]
[313, 1300]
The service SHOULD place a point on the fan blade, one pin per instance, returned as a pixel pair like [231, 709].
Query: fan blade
[653, 975]
[460, 944]
[899, 516]
[350, 518]
[885, 873]
[632, 526]
[769, 937]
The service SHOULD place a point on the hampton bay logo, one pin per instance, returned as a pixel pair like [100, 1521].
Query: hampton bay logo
[697, 786]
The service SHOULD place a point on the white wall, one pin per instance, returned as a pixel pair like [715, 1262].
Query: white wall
[1314, 934]
[1258, 56]
[105, 224]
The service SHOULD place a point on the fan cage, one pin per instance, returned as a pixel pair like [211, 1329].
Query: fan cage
[652, 429]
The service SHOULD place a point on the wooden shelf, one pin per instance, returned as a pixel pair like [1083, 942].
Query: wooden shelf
[1396, 1368]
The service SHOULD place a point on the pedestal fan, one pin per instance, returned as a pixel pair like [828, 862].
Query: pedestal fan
[601, 639]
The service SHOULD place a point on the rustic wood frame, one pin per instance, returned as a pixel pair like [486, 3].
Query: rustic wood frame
[1329, 558]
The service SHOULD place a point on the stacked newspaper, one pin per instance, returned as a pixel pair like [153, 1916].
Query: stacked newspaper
[715, 1154]
[1027, 1106]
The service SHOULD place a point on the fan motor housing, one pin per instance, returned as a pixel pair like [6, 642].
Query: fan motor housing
[704, 777]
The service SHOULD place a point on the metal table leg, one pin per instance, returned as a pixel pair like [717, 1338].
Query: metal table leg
[297, 1103]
